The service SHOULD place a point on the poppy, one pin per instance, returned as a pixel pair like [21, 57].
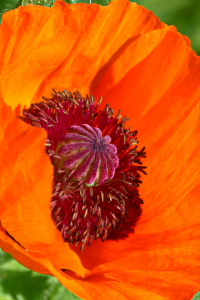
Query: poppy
[124, 54]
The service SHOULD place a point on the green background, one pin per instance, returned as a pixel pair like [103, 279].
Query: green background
[19, 283]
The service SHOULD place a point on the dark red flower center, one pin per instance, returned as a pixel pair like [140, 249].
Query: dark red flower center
[96, 167]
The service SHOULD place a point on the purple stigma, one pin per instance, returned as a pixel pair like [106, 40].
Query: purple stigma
[92, 157]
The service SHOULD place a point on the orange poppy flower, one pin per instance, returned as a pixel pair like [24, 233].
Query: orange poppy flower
[142, 66]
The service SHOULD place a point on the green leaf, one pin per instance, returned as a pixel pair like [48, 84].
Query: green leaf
[197, 296]
[19, 283]
[38, 2]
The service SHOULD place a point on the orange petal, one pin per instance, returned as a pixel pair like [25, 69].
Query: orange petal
[131, 284]
[35, 262]
[67, 46]
[19, 253]
[27, 59]
[26, 179]
[160, 91]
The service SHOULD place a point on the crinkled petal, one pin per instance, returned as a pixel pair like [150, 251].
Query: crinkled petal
[7, 244]
[67, 46]
[26, 188]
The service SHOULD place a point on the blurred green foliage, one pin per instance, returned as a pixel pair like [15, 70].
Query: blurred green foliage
[19, 283]
[197, 296]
